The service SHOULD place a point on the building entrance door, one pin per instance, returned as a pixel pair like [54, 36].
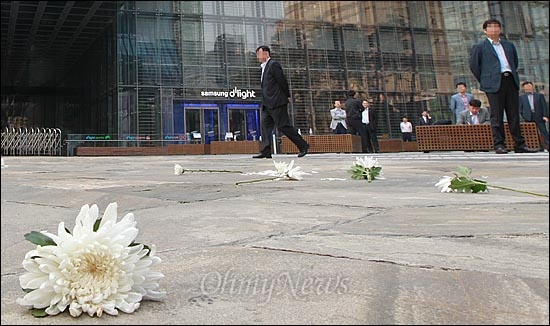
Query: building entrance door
[201, 123]
[244, 121]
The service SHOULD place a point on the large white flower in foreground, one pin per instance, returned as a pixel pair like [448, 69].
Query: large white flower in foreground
[95, 269]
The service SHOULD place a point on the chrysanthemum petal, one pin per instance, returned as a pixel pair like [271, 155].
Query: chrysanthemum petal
[91, 271]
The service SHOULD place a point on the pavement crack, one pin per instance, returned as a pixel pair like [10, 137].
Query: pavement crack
[383, 261]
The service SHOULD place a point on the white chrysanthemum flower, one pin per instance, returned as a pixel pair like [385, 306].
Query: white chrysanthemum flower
[445, 184]
[91, 271]
[178, 169]
[295, 173]
[288, 171]
[367, 162]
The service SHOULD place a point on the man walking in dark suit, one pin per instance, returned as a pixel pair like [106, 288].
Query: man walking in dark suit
[533, 108]
[494, 64]
[275, 98]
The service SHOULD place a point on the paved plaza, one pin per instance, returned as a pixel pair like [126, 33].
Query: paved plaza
[324, 250]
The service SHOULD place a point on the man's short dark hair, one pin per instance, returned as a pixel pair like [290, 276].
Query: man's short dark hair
[264, 48]
[475, 103]
[490, 22]
[351, 93]
[527, 83]
[461, 83]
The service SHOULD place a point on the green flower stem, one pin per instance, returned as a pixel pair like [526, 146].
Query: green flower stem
[256, 180]
[522, 191]
[506, 188]
[199, 170]
[369, 174]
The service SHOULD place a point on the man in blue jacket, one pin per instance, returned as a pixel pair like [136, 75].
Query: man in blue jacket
[494, 63]
[460, 101]
[533, 108]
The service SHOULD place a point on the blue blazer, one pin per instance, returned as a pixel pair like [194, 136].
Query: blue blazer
[456, 102]
[541, 110]
[485, 65]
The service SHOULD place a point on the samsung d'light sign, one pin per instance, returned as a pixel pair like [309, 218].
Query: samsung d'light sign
[235, 93]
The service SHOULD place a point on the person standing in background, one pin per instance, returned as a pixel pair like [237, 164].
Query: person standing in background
[369, 120]
[275, 99]
[338, 123]
[406, 129]
[494, 63]
[460, 101]
[533, 108]
[425, 119]
[353, 118]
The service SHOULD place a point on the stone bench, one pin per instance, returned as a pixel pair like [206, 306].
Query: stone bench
[344, 143]
[469, 137]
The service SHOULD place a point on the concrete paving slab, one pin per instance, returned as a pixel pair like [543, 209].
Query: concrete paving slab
[324, 250]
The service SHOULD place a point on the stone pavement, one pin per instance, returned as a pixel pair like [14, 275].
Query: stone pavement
[324, 250]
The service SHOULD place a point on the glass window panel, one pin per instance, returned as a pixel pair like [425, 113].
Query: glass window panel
[147, 51]
[356, 81]
[169, 52]
[389, 42]
[317, 59]
[297, 58]
[354, 60]
[274, 9]
[127, 108]
[212, 31]
[418, 14]
[297, 78]
[148, 111]
[253, 35]
[237, 122]
[238, 77]
[150, 6]
[187, 7]
[319, 79]
[337, 79]
[354, 40]
[394, 13]
[233, 8]
[210, 7]
[422, 43]
[194, 76]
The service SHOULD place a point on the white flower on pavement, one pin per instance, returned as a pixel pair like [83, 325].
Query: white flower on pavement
[96, 269]
[445, 184]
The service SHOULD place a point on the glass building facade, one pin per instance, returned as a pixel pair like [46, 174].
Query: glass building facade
[189, 67]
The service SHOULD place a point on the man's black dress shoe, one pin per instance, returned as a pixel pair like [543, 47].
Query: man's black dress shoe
[501, 150]
[303, 152]
[525, 149]
[261, 155]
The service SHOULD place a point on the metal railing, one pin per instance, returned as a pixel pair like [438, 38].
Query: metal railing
[31, 141]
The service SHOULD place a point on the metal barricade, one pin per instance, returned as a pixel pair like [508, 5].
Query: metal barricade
[31, 141]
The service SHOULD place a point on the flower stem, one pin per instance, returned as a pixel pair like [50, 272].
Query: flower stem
[199, 170]
[522, 191]
[256, 180]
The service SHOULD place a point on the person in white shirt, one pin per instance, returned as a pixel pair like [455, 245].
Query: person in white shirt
[369, 120]
[406, 129]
